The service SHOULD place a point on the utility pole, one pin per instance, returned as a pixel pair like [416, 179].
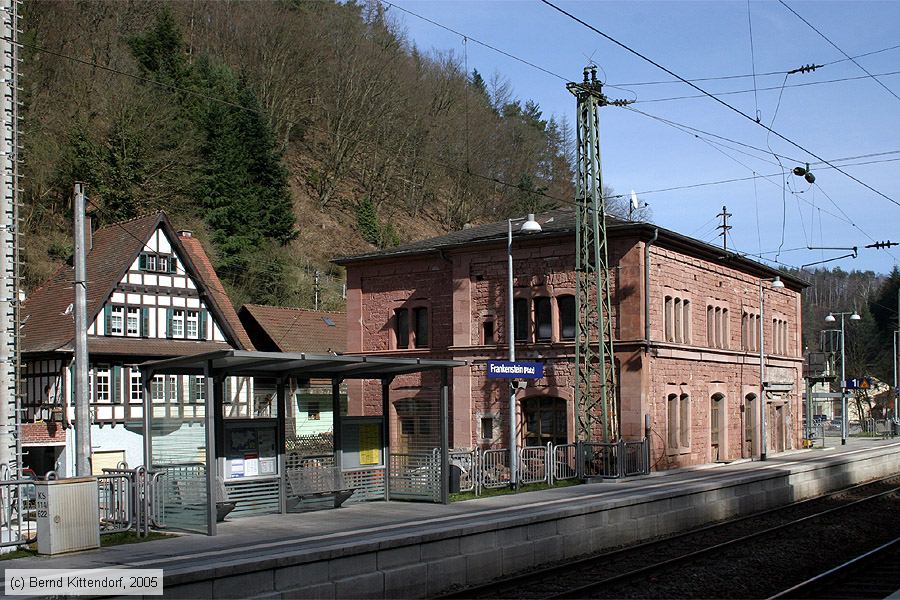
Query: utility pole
[10, 404]
[82, 415]
[725, 227]
[316, 300]
[594, 358]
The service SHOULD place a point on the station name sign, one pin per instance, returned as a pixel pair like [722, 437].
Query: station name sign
[500, 369]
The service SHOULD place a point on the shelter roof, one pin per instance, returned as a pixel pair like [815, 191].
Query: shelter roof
[296, 364]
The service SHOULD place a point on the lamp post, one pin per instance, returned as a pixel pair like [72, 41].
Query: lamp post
[529, 226]
[845, 424]
[776, 284]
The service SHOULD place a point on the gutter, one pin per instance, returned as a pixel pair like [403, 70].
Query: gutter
[647, 245]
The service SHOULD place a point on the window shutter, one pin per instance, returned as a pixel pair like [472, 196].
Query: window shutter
[107, 319]
[145, 321]
[169, 314]
[192, 389]
[202, 326]
[173, 264]
[142, 262]
[116, 378]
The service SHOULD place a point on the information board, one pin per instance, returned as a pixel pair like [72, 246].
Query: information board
[251, 448]
[363, 442]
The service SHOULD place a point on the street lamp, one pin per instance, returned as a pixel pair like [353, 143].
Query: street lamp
[845, 424]
[777, 284]
[529, 226]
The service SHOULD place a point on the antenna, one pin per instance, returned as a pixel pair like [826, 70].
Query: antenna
[725, 227]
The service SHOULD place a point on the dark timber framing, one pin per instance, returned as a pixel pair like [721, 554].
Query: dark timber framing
[216, 366]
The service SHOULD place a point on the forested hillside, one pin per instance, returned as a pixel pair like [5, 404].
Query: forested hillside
[283, 133]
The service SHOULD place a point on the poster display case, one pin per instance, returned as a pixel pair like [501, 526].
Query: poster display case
[251, 448]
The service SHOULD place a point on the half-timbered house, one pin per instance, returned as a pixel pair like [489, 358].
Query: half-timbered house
[151, 293]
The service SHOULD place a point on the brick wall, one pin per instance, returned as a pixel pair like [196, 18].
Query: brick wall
[463, 288]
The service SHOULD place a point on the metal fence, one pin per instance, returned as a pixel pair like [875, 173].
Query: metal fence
[486, 469]
[17, 512]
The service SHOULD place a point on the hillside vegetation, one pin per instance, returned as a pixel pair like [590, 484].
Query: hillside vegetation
[282, 133]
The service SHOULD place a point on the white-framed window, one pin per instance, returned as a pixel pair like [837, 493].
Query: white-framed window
[151, 262]
[192, 325]
[136, 395]
[199, 390]
[102, 387]
[162, 264]
[177, 323]
[116, 320]
[133, 322]
[158, 389]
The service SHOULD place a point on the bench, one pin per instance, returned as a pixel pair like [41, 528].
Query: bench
[315, 482]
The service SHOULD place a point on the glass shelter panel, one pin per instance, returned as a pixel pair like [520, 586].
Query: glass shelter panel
[178, 449]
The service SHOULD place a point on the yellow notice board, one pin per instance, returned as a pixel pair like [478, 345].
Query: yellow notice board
[363, 442]
[369, 443]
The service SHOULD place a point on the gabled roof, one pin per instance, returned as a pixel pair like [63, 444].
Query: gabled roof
[561, 222]
[281, 329]
[48, 322]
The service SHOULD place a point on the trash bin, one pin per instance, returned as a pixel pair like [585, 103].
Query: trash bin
[455, 476]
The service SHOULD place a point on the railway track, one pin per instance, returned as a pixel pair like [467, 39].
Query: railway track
[674, 566]
[873, 574]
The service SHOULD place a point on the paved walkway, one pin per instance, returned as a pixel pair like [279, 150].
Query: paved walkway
[367, 525]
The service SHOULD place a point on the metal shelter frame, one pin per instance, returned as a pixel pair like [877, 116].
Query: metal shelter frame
[216, 366]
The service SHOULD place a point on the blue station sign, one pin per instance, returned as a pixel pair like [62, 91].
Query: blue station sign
[501, 369]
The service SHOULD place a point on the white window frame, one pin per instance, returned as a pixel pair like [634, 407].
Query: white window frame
[151, 262]
[178, 319]
[136, 313]
[192, 319]
[103, 387]
[117, 315]
[136, 387]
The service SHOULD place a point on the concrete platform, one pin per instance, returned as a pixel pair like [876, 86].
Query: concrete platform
[415, 550]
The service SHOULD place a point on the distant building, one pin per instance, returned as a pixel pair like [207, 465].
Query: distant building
[281, 329]
[152, 293]
[685, 320]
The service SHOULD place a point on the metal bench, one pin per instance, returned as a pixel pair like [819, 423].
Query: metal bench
[318, 482]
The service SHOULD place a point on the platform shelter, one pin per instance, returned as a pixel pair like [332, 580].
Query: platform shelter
[198, 449]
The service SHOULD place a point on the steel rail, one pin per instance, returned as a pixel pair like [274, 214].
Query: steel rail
[581, 591]
[536, 574]
[810, 585]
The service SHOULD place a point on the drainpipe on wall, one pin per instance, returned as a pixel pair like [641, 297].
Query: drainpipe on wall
[647, 286]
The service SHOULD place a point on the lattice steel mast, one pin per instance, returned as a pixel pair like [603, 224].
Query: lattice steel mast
[594, 358]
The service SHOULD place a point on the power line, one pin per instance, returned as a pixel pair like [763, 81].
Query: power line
[749, 75]
[718, 100]
[765, 89]
[864, 70]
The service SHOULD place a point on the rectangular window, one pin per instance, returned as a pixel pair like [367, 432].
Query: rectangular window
[421, 316]
[162, 264]
[133, 322]
[543, 320]
[136, 386]
[686, 323]
[669, 317]
[520, 315]
[199, 395]
[487, 428]
[158, 389]
[710, 326]
[151, 262]
[487, 331]
[678, 333]
[672, 421]
[566, 307]
[725, 333]
[192, 325]
[116, 320]
[177, 326]
[401, 327]
[684, 417]
[157, 263]
[102, 386]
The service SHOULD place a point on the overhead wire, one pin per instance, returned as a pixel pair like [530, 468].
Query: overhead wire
[836, 47]
[753, 62]
[714, 98]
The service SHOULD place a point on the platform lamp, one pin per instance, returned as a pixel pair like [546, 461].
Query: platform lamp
[845, 424]
[776, 284]
[529, 226]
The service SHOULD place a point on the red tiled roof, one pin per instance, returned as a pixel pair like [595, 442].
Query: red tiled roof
[216, 291]
[151, 347]
[295, 329]
[47, 326]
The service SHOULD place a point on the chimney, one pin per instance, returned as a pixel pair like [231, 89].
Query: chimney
[185, 233]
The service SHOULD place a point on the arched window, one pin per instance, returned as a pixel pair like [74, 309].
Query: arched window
[716, 403]
[566, 307]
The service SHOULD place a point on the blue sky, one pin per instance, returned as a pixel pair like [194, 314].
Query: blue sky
[712, 39]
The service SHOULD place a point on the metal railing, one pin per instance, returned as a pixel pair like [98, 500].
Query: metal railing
[486, 469]
[18, 511]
